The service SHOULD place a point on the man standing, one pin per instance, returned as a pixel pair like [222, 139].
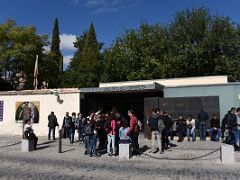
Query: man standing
[79, 126]
[181, 125]
[238, 125]
[67, 120]
[202, 118]
[52, 123]
[133, 131]
[232, 128]
[156, 132]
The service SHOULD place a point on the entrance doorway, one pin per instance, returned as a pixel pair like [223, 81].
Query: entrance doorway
[121, 101]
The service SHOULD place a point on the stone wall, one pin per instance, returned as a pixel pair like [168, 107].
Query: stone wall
[69, 100]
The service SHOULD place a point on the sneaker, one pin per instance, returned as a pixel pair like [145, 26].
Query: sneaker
[161, 152]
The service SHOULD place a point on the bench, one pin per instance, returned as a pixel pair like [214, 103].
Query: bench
[27, 145]
[125, 151]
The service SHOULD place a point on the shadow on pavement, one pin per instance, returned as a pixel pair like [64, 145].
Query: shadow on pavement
[10, 145]
[68, 150]
[42, 147]
[48, 142]
[143, 149]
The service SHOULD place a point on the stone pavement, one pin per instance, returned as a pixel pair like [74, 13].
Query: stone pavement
[46, 163]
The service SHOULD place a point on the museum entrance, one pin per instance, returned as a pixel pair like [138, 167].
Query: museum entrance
[122, 98]
[121, 101]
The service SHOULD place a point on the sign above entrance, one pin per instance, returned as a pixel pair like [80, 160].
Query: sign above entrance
[147, 87]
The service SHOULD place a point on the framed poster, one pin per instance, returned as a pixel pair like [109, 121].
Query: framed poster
[27, 110]
[1, 111]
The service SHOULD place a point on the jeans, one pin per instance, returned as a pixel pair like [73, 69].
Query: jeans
[202, 131]
[88, 142]
[71, 135]
[156, 137]
[134, 137]
[93, 144]
[180, 134]
[111, 144]
[193, 134]
[232, 138]
[239, 138]
[53, 133]
[80, 134]
[165, 140]
[215, 134]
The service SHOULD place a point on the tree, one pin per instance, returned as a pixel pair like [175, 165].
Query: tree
[20, 45]
[195, 43]
[84, 69]
[56, 56]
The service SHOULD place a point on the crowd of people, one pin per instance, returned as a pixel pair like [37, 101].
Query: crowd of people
[164, 128]
[100, 130]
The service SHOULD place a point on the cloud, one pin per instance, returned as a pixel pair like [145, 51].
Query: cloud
[67, 59]
[75, 2]
[94, 3]
[102, 6]
[67, 41]
[46, 48]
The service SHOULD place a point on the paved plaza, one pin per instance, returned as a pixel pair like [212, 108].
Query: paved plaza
[186, 160]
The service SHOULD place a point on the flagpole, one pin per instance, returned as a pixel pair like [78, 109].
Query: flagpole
[35, 82]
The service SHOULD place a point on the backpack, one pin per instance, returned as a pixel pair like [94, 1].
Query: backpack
[68, 121]
[29, 134]
[88, 129]
[107, 126]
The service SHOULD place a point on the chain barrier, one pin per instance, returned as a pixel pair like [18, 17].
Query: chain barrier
[9, 145]
[177, 159]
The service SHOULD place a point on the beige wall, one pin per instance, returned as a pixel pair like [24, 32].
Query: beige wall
[48, 103]
[203, 80]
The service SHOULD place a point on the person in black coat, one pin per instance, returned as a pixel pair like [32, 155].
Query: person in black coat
[202, 119]
[67, 120]
[215, 128]
[52, 123]
[181, 126]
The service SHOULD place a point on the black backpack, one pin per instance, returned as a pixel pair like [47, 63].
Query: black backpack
[88, 129]
[68, 121]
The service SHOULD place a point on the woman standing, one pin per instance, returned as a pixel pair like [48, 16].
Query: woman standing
[191, 128]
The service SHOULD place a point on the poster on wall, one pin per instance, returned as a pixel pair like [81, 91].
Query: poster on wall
[27, 110]
[1, 111]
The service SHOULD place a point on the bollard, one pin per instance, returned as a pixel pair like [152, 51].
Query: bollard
[60, 141]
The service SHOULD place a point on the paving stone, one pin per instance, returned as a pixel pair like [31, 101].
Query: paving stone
[47, 163]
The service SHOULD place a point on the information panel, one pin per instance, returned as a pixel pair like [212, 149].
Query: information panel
[1, 111]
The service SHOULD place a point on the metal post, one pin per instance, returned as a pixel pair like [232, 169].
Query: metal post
[60, 141]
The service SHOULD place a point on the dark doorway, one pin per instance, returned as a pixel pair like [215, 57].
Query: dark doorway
[121, 101]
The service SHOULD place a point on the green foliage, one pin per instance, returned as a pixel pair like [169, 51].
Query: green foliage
[19, 46]
[57, 58]
[85, 67]
[193, 44]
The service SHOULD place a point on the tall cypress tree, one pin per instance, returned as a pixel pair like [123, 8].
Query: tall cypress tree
[91, 57]
[84, 69]
[56, 55]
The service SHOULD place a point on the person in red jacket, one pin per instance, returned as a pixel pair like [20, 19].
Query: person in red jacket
[133, 131]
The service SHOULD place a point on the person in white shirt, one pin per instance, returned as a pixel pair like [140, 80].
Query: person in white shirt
[191, 128]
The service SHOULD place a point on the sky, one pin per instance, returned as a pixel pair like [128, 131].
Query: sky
[110, 17]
